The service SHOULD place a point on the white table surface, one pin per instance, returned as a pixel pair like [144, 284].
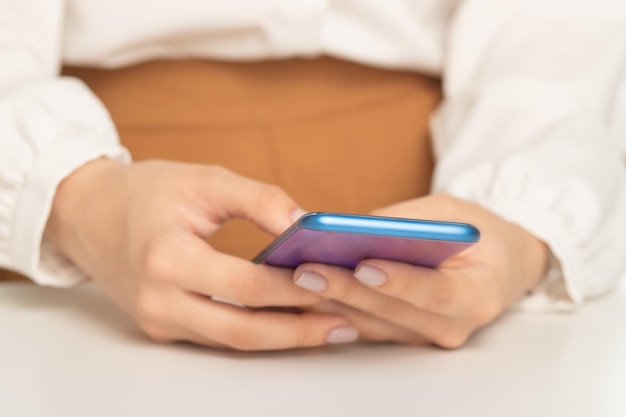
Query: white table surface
[72, 353]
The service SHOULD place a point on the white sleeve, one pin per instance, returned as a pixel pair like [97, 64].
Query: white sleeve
[49, 126]
[530, 91]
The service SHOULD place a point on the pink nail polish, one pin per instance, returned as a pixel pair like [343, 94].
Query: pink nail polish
[370, 276]
[344, 334]
[311, 281]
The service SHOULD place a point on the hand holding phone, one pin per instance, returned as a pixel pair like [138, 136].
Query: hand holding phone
[347, 239]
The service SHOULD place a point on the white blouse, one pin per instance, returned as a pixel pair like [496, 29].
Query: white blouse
[532, 126]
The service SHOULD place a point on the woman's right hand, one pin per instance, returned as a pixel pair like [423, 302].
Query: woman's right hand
[138, 230]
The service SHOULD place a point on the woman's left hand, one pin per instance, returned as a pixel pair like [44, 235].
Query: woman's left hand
[404, 303]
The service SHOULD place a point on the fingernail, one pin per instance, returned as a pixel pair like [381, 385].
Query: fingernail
[371, 276]
[311, 281]
[296, 214]
[344, 334]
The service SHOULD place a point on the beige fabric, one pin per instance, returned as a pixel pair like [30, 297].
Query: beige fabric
[335, 135]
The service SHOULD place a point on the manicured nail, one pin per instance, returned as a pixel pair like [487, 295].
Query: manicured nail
[296, 214]
[344, 334]
[311, 281]
[371, 276]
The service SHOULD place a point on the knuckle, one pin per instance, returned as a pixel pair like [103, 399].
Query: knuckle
[487, 311]
[211, 175]
[301, 339]
[268, 194]
[239, 337]
[158, 261]
[344, 290]
[391, 309]
[155, 332]
[251, 292]
[444, 296]
[407, 286]
[149, 307]
[309, 331]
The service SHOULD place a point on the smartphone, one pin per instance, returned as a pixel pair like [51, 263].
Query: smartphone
[347, 239]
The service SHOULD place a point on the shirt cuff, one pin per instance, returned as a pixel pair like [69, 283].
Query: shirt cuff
[49, 129]
[34, 256]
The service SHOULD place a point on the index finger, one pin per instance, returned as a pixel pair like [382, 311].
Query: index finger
[448, 292]
[191, 264]
[234, 196]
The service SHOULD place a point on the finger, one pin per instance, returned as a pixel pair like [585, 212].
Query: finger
[166, 328]
[371, 328]
[440, 291]
[246, 329]
[234, 196]
[190, 263]
[429, 289]
[339, 284]
[177, 335]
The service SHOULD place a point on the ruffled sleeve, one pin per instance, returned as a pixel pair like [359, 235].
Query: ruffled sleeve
[49, 126]
[526, 130]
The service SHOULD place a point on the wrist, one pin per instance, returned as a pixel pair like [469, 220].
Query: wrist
[74, 200]
[534, 255]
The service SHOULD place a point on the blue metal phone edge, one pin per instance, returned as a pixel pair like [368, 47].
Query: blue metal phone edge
[390, 226]
[278, 241]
